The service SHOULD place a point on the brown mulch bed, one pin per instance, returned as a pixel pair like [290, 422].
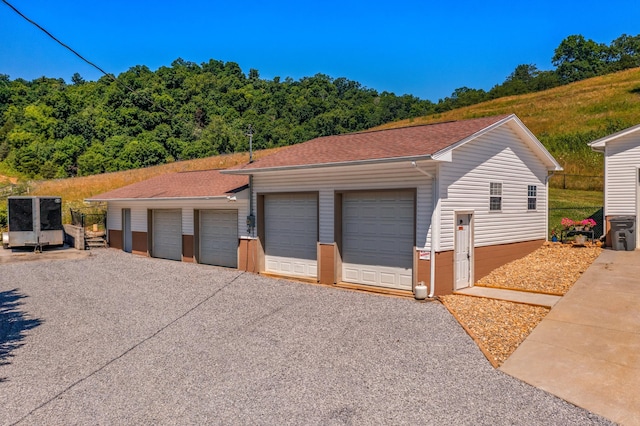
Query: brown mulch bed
[497, 326]
[552, 269]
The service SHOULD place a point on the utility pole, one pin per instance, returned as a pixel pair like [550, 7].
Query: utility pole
[250, 134]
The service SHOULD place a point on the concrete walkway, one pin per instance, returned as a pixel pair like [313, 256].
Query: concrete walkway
[530, 298]
[587, 349]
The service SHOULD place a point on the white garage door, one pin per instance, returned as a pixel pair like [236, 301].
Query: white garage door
[219, 237]
[167, 234]
[291, 234]
[378, 238]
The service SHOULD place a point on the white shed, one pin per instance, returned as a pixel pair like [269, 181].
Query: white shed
[442, 203]
[197, 216]
[621, 175]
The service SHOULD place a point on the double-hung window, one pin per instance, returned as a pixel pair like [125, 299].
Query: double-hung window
[495, 196]
[532, 197]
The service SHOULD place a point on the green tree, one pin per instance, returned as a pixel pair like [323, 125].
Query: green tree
[77, 79]
[92, 161]
[625, 52]
[66, 153]
[577, 58]
[142, 152]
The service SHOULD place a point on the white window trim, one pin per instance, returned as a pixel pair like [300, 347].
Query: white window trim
[500, 196]
[534, 197]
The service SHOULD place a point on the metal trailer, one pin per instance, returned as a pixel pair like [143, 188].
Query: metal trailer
[34, 222]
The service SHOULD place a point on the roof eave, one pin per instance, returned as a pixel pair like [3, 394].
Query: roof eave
[206, 197]
[323, 165]
[600, 144]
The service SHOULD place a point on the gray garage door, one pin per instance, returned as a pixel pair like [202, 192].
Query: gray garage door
[219, 237]
[167, 234]
[378, 238]
[291, 234]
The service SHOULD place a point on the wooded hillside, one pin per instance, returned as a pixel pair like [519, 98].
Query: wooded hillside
[51, 129]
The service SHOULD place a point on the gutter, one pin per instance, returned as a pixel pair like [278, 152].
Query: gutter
[249, 171]
[229, 197]
[432, 255]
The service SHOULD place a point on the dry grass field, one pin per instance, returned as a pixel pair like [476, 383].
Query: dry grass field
[74, 190]
[581, 106]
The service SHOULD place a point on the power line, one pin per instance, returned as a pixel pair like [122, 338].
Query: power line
[32, 22]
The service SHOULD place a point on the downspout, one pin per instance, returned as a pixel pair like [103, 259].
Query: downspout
[251, 219]
[432, 255]
[546, 211]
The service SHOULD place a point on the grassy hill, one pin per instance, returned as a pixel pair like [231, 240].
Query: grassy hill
[564, 118]
[577, 107]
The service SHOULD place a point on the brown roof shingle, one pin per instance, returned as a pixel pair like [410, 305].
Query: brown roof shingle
[194, 184]
[402, 142]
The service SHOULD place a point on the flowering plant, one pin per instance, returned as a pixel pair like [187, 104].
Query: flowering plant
[588, 222]
[567, 223]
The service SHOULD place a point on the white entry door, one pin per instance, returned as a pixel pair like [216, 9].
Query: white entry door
[127, 237]
[463, 256]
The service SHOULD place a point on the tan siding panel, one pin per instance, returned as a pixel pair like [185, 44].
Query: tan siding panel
[139, 211]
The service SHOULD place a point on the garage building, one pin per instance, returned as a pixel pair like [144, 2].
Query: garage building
[197, 216]
[442, 204]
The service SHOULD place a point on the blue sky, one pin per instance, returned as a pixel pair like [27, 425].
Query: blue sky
[423, 48]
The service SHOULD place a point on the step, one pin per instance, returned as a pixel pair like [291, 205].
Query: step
[527, 297]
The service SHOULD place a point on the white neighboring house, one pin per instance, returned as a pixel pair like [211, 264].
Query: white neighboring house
[621, 175]
[443, 203]
[197, 216]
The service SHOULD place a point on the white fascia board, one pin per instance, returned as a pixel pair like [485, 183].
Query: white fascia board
[216, 197]
[599, 144]
[444, 155]
[323, 165]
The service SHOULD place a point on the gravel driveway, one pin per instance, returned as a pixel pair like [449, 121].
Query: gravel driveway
[120, 339]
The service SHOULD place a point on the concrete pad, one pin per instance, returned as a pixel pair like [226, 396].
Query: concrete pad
[538, 299]
[587, 350]
[601, 386]
[52, 253]
[600, 308]
[618, 347]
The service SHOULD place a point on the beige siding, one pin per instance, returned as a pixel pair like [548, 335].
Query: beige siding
[346, 178]
[139, 211]
[464, 186]
[622, 160]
